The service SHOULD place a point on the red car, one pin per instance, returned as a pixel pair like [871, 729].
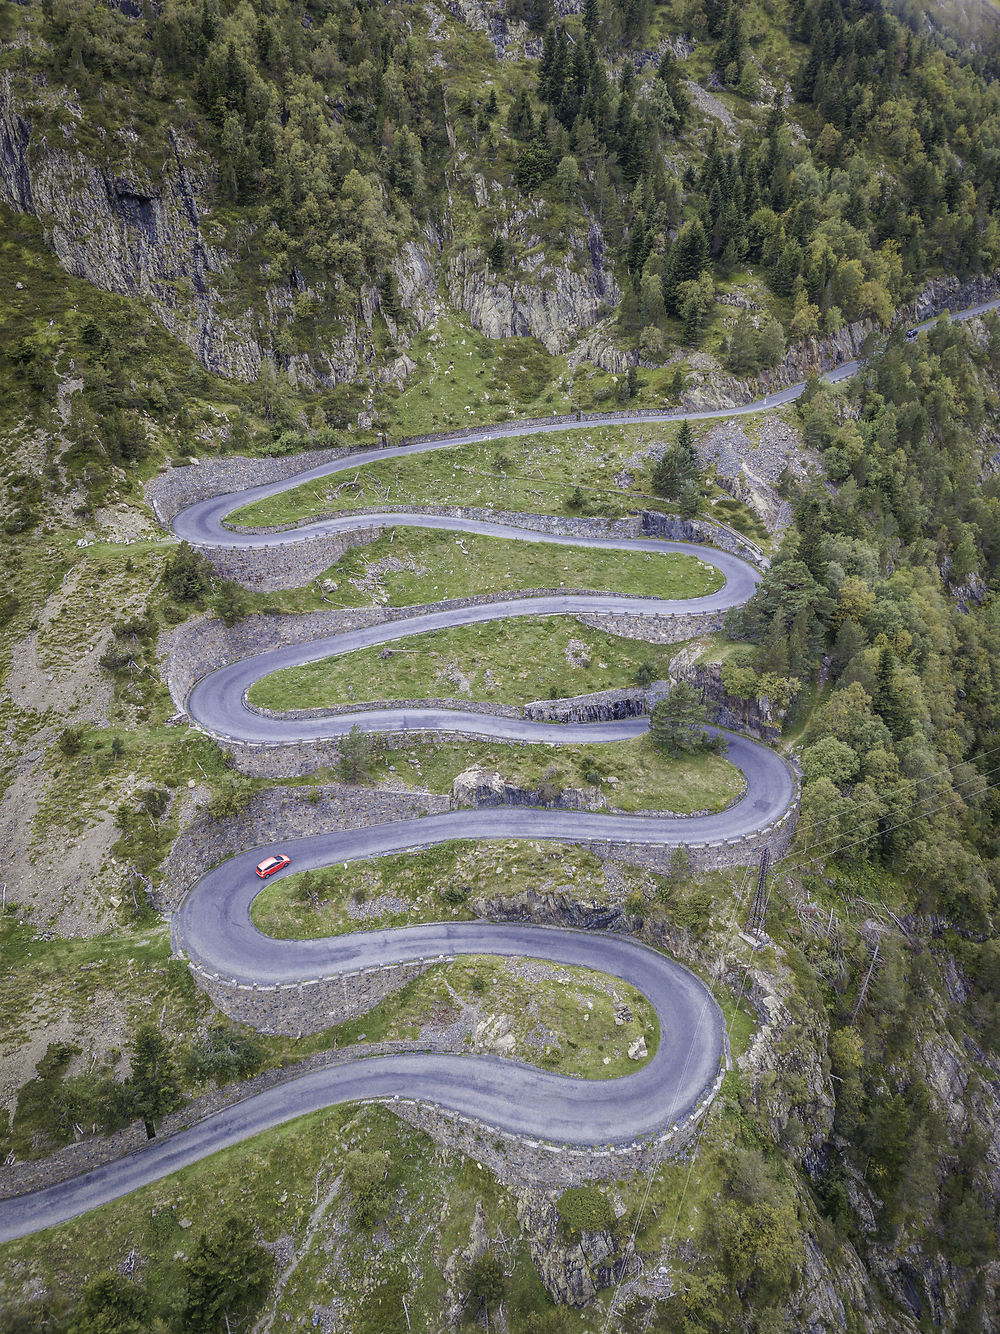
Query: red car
[277, 862]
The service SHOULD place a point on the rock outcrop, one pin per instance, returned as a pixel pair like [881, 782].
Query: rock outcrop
[756, 717]
[553, 301]
[479, 786]
[750, 470]
[573, 1272]
[132, 229]
[145, 231]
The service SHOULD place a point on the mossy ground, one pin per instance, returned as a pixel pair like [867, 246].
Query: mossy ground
[411, 566]
[423, 886]
[561, 1018]
[632, 775]
[511, 661]
[289, 1183]
[601, 470]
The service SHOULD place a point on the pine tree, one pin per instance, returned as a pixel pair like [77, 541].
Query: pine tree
[112, 1304]
[356, 754]
[154, 1085]
[677, 467]
[770, 343]
[677, 723]
[743, 347]
[227, 1279]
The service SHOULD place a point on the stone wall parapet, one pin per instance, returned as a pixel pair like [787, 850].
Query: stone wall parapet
[639, 523]
[202, 646]
[175, 489]
[514, 1158]
[283, 812]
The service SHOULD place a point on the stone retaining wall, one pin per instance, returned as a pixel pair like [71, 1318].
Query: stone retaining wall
[655, 629]
[513, 1158]
[294, 1008]
[653, 523]
[706, 856]
[486, 707]
[177, 488]
[268, 569]
[516, 1159]
[559, 525]
[280, 813]
[199, 647]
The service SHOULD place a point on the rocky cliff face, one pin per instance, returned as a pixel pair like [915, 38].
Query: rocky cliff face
[131, 229]
[755, 717]
[143, 230]
[554, 301]
[479, 786]
[573, 1272]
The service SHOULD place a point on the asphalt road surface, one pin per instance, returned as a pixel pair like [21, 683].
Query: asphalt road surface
[502, 1093]
[202, 524]
[214, 926]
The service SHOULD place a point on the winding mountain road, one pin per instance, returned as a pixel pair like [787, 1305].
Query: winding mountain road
[213, 926]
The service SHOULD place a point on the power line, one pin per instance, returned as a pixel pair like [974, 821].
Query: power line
[763, 893]
[758, 905]
[739, 1000]
[920, 815]
[911, 782]
[701, 1131]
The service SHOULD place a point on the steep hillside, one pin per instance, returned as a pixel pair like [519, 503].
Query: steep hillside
[302, 190]
[242, 240]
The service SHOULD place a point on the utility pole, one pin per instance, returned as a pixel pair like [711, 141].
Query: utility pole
[758, 905]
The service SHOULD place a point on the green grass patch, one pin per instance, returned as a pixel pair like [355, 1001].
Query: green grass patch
[277, 1180]
[631, 775]
[560, 1018]
[536, 474]
[513, 661]
[422, 886]
[291, 1183]
[411, 566]
[43, 981]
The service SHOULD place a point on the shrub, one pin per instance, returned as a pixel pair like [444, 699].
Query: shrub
[187, 575]
[645, 673]
[487, 1281]
[585, 1209]
[231, 797]
[636, 904]
[365, 1174]
[223, 1054]
[71, 741]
